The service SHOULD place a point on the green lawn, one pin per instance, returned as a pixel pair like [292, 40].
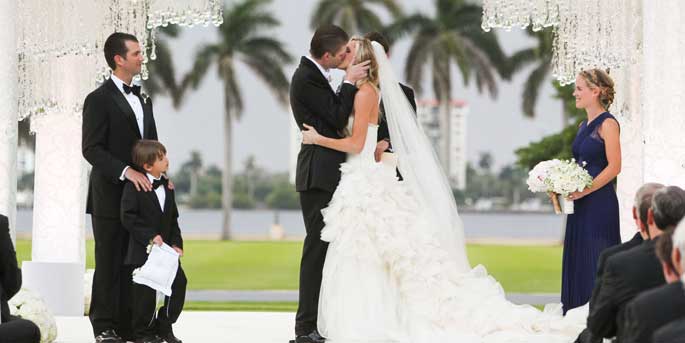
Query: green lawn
[275, 265]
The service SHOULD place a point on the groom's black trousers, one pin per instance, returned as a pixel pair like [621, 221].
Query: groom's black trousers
[313, 256]
[110, 306]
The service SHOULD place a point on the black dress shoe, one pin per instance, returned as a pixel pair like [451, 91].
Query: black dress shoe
[313, 337]
[108, 336]
[170, 338]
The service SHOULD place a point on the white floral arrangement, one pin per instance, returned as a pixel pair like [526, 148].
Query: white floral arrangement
[559, 178]
[87, 290]
[30, 306]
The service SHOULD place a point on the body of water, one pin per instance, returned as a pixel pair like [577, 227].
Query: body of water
[257, 223]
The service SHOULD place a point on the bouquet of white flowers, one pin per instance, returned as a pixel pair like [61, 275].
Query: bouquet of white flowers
[30, 306]
[559, 178]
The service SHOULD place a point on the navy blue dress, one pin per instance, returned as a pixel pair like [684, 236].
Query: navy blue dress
[594, 225]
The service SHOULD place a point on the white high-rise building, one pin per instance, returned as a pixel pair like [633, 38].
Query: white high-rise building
[428, 113]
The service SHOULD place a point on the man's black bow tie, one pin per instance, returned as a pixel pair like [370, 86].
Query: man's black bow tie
[135, 89]
[163, 181]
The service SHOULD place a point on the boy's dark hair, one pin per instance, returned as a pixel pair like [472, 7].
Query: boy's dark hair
[378, 37]
[116, 45]
[147, 151]
[327, 38]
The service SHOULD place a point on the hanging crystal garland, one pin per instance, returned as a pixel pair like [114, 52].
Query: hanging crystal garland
[588, 33]
[56, 35]
[509, 14]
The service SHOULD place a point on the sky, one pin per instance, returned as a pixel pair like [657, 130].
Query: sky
[494, 125]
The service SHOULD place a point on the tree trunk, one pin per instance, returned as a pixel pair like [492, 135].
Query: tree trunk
[227, 179]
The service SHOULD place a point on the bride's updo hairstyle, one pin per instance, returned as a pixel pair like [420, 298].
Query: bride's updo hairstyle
[597, 78]
[365, 52]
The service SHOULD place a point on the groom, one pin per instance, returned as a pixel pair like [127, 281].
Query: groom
[115, 116]
[314, 102]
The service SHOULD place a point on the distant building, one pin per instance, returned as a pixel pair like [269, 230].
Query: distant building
[428, 117]
[428, 111]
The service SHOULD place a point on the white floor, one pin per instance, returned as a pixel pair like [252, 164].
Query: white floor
[203, 327]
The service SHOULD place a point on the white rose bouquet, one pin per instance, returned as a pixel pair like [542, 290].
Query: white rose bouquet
[30, 306]
[559, 178]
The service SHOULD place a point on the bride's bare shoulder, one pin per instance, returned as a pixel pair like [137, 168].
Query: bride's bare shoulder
[367, 92]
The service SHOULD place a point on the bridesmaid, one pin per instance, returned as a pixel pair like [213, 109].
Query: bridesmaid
[594, 225]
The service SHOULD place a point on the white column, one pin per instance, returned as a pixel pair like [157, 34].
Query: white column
[8, 112]
[59, 190]
[663, 77]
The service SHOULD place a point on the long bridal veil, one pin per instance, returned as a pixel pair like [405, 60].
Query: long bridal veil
[419, 165]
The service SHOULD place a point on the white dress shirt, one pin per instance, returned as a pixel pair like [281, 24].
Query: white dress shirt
[133, 101]
[137, 108]
[160, 191]
[325, 72]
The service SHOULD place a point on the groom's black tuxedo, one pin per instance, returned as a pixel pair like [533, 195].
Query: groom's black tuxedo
[318, 172]
[108, 134]
[314, 103]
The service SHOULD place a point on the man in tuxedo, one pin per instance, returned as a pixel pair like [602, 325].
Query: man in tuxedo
[314, 102]
[673, 332]
[12, 329]
[662, 305]
[631, 272]
[643, 201]
[115, 116]
[383, 140]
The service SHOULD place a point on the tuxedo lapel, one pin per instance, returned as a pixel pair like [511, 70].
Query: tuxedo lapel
[124, 106]
[315, 72]
[155, 199]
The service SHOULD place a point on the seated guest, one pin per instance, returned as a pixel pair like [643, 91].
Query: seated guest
[633, 271]
[643, 201]
[673, 332]
[12, 329]
[654, 308]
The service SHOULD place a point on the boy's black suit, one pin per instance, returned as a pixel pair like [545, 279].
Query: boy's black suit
[142, 216]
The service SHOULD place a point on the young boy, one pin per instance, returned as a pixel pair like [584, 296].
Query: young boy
[152, 218]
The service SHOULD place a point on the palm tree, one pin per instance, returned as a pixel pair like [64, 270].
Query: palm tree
[241, 39]
[453, 36]
[540, 56]
[353, 16]
[195, 167]
[162, 79]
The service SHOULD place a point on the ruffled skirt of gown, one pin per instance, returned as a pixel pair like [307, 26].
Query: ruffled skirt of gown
[385, 279]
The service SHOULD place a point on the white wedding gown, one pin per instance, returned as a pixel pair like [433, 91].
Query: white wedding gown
[387, 279]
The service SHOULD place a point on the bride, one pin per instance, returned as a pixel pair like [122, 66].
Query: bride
[396, 268]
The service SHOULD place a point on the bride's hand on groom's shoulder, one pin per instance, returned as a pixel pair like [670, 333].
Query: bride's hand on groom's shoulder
[309, 135]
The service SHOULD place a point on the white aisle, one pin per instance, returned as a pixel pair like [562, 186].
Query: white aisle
[203, 327]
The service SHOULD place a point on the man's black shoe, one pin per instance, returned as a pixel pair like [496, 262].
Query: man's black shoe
[108, 336]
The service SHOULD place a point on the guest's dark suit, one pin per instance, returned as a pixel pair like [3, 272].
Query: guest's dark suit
[313, 102]
[12, 329]
[651, 310]
[143, 217]
[673, 332]
[586, 336]
[626, 274]
[109, 132]
[383, 132]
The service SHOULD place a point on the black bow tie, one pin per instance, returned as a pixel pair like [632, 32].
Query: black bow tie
[157, 183]
[135, 89]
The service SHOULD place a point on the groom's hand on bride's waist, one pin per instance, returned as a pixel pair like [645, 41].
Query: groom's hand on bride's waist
[356, 72]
